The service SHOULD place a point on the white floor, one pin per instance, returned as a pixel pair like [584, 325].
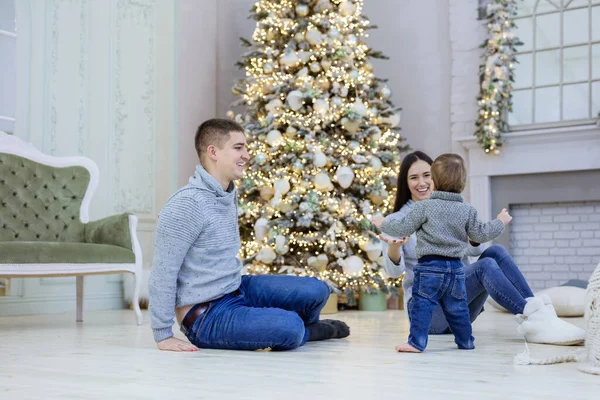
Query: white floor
[109, 357]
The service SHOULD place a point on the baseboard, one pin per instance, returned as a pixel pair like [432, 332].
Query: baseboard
[14, 306]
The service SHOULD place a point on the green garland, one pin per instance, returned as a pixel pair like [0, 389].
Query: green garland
[495, 98]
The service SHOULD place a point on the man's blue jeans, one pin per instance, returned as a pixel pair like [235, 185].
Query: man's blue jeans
[439, 282]
[269, 312]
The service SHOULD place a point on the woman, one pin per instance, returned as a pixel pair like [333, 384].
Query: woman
[494, 273]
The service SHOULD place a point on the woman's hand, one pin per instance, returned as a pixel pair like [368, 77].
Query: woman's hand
[392, 241]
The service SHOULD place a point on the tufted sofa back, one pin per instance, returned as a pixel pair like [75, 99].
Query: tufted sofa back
[39, 202]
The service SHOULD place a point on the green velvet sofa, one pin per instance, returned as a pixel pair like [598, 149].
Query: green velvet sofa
[44, 221]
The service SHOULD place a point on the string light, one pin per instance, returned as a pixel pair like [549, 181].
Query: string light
[495, 99]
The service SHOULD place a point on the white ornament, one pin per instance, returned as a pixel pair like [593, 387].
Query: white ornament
[280, 244]
[351, 40]
[385, 92]
[289, 59]
[321, 106]
[298, 166]
[359, 107]
[302, 10]
[323, 5]
[299, 37]
[273, 105]
[353, 145]
[303, 72]
[373, 250]
[337, 101]
[393, 120]
[376, 164]
[359, 159]
[352, 265]
[326, 64]
[346, 8]
[314, 37]
[282, 185]
[294, 99]
[351, 126]
[344, 176]
[290, 131]
[260, 158]
[318, 263]
[268, 68]
[315, 67]
[304, 56]
[323, 182]
[333, 33]
[261, 227]
[274, 138]
[266, 255]
[230, 114]
[319, 159]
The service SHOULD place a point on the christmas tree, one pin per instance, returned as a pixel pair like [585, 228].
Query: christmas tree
[324, 140]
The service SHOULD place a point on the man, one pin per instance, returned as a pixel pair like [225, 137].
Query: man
[196, 276]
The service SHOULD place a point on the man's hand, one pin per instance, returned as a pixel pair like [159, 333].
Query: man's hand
[504, 216]
[174, 344]
[377, 221]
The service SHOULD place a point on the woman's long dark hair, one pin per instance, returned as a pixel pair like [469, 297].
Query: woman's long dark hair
[403, 192]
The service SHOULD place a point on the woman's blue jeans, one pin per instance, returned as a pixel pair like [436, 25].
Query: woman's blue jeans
[496, 274]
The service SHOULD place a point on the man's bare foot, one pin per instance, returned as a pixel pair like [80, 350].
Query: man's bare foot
[174, 344]
[406, 348]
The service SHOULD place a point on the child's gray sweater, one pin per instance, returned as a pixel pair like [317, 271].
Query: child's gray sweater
[444, 225]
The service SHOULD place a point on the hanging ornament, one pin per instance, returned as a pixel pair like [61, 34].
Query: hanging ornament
[346, 8]
[359, 108]
[295, 99]
[230, 114]
[385, 92]
[267, 193]
[274, 138]
[302, 73]
[393, 120]
[289, 59]
[315, 67]
[270, 35]
[344, 176]
[261, 227]
[337, 101]
[299, 37]
[302, 10]
[273, 105]
[266, 255]
[351, 126]
[321, 107]
[314, 37]
[323, 183]
[319, 159]
[290, 131]
[282, 186]
[352, 265]
[318, 263]
[376, 164]
[351, 40]
[298, 166]
[304, 56]
[359, 159]
[353, 145]
[260, 158]
[326, 64]
[268, 68]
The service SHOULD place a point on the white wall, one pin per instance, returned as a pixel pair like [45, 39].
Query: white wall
[100, 83]
[413, 33]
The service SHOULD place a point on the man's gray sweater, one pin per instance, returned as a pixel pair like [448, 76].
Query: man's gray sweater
[444, 225]
[195, 248]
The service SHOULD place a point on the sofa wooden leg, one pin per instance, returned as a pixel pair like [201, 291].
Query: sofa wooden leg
[79, 280]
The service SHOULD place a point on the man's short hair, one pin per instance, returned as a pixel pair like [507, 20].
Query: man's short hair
[449, 173]
[214, 132]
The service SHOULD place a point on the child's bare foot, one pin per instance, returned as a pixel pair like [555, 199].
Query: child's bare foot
[406, 348]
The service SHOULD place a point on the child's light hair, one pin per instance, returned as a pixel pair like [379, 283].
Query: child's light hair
[449, 173]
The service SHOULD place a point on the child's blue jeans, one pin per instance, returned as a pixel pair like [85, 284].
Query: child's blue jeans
[439, 281]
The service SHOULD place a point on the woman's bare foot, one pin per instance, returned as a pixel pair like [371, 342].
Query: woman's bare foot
[406, 348]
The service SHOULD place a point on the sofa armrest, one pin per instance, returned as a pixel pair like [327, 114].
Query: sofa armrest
[113, 230]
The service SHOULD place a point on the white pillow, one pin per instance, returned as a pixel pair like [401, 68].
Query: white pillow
[568, 301]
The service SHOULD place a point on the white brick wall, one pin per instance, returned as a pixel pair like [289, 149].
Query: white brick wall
[555, 242]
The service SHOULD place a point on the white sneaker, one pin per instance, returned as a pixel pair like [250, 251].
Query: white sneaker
[541, 325]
